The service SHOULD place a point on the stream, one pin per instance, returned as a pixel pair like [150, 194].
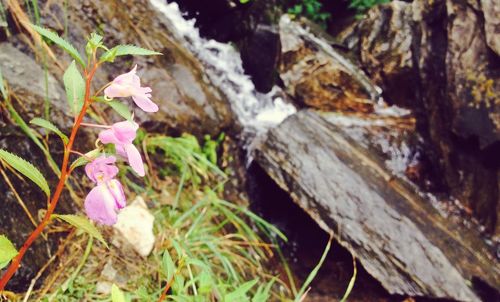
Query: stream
[256, 111]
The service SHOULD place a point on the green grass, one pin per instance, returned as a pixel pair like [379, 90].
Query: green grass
[207, 249]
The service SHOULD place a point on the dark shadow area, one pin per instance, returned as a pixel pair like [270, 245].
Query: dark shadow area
[306, 243]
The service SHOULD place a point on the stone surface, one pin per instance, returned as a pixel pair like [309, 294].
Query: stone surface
[187, 99]
[440, 58]
[491, 11]
[135, 226]
[259, 54]
[318, 76]
[26, 80]
[394, 232]
[385, 47]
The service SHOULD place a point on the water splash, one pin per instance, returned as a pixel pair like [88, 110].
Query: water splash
[257, 112]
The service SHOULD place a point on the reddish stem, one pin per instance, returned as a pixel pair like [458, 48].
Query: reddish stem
[60, 186]
[167, 287]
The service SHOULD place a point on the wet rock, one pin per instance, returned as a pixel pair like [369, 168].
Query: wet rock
[259, 54]
[386, 51]
[318, 76]
[394, 232]
[187, 99]
[440, 58]
[26, 80]
[491, 10]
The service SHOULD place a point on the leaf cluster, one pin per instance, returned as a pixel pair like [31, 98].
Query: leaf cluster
[311, 9]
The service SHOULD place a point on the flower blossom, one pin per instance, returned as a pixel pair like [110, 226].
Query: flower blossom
[129, 85]
[101, 169]
[105, 200]
[122, 135]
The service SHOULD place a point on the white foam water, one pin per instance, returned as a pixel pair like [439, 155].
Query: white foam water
[257, 112]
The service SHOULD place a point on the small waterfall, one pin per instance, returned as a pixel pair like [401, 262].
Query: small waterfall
[257, 112]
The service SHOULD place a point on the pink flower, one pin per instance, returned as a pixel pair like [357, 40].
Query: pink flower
[101, 169]
[129, 84]
[122, 134]
[104, 201]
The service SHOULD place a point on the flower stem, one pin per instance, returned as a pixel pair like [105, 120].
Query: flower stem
[95, 125]
[13, 267]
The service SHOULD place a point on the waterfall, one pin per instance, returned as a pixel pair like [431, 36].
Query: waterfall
[257, 112]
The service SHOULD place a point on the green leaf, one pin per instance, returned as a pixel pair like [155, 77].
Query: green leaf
[7, 251]
[264, 292]
[75, 88]
[83, 224]
[49, 126]
[25, 168]
[350, 286]
[121, 109]
[116, 294]
[83, 160]
[240, 292]
[95, 40]
[2, 86]
[123, 50]
[70, 49]
[205, 282]
[168, 265]
[93, 44]
[314, 272]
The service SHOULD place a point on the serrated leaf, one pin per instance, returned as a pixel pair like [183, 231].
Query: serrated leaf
[83, 224]
[93, 44]
[121, 109]
[83, 160]
[116, 294]
[123, 50]
[49, 126]
[95, 39]
[168, 265]
[70, 49]
[75, 88]
[25, 168]
[7, 251]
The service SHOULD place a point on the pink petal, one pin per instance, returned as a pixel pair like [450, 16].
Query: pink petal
[125, 131]
[143, 101]
[108, 137]
[116, 90]
[135, 159]
[101, 169]
[126, 78]
[100, 205]
[116, 189]
[120, 150]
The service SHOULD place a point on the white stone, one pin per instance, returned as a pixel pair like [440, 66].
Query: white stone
[135, 225]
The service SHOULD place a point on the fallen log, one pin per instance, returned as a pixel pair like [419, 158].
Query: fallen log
[396, 234]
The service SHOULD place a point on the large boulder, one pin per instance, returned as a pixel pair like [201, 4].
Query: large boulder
[318, 76]
[331, 169]
[440, 58]
[187, 100]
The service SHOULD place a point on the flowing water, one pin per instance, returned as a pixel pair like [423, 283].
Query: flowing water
[257, 112]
